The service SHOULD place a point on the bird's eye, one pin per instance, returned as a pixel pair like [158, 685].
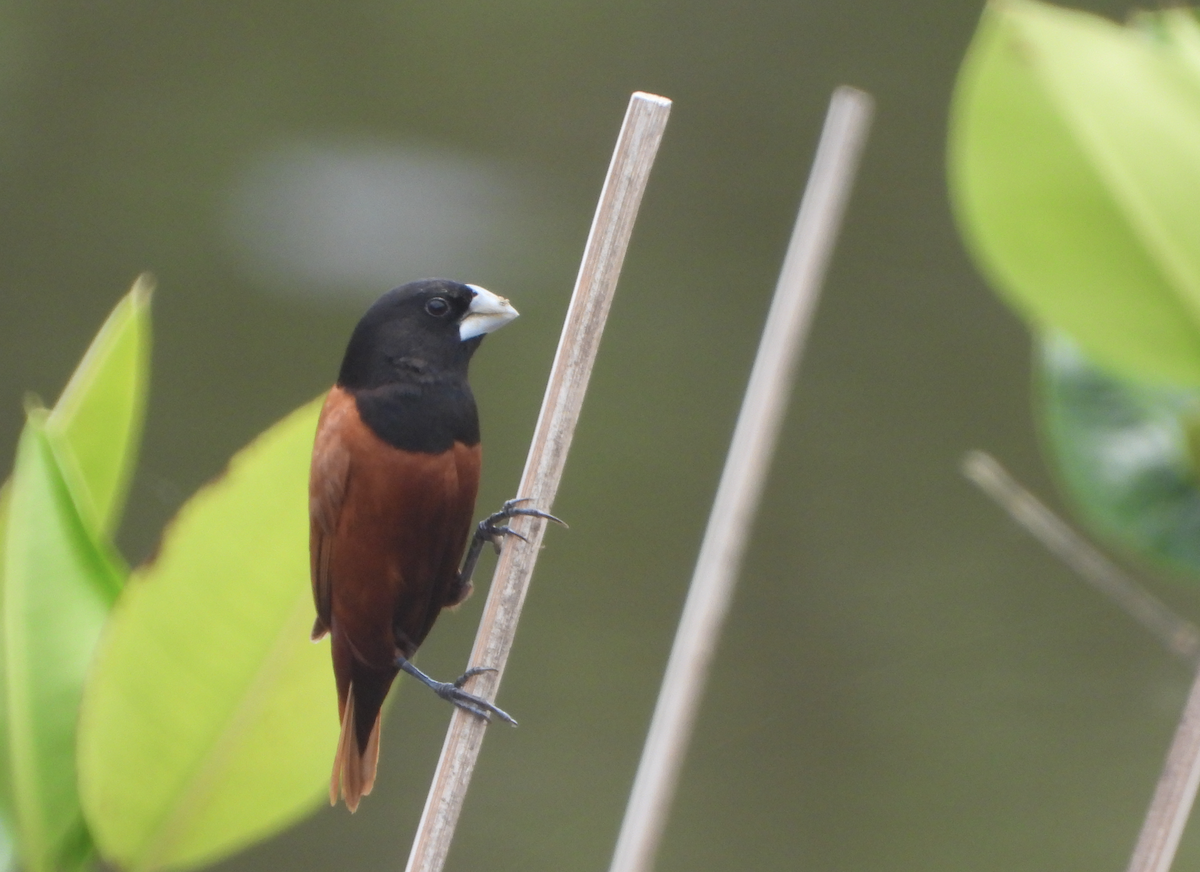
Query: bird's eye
[438, 307]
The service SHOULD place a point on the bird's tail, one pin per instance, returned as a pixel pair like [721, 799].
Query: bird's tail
[353, 767]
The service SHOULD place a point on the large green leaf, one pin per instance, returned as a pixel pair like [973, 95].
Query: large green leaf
[209, 720]
[1125, 452]
[1075, 179]
[58, 588]
[98, 424]
[100, 412]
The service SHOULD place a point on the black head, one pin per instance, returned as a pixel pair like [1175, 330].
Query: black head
[427, 328]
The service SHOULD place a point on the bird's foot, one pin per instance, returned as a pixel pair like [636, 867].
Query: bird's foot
[493, 529]
[453, 691]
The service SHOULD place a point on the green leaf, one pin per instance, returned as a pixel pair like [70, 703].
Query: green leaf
[98, 424]
[1124, 451]
[101, 411]
[210, 719]
[1075, 180]
[58, 589]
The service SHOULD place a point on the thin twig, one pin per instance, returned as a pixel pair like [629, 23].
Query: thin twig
[1178, 635]
[637, 144]
[741, 485]
[1176, 789]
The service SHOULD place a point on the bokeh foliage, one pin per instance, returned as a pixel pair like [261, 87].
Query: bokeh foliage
[1075, 179]
[61, 576]
[208, 720]
[1125, 449]
[174, 720]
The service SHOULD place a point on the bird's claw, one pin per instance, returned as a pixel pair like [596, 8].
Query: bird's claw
[494, 531]
[476, 705]
[453, 691]
[472, 672]
[496, 535]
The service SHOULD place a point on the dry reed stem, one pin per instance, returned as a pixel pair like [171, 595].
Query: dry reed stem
[1179, 636]
[1174, 794]
[740, 489]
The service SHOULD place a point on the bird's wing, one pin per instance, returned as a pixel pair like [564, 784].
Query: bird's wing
[327, 481]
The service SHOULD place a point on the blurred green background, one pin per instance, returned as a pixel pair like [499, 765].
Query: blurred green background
[907, 681]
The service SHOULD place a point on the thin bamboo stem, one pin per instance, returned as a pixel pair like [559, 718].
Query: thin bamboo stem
[741, 486]
[604, 253]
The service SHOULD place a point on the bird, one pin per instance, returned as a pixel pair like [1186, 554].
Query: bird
[392, 486]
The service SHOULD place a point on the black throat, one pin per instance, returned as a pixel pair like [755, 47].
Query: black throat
[426, 414]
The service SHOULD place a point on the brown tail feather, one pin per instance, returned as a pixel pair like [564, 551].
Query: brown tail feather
[370, 758]
[353, 770]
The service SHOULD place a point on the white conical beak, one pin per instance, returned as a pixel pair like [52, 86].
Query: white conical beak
[486, 313]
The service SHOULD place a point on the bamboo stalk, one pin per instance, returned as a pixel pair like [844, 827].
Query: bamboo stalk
[740, 489]
[604, 253]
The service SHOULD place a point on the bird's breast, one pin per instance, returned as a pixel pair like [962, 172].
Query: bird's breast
[401, 532]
